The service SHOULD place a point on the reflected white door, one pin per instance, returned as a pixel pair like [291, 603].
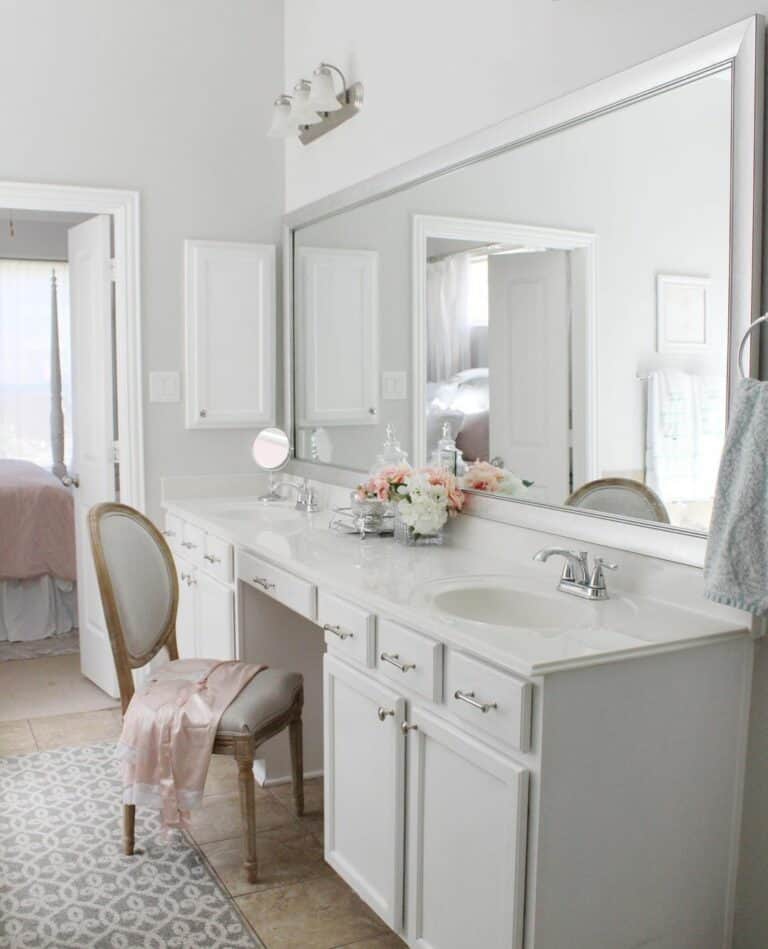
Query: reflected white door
[529, 342]
[90, 281]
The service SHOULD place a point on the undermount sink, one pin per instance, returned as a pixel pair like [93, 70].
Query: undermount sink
[270, 513]
[503, 602]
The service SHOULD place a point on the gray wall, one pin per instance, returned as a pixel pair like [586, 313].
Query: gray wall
[170, 98]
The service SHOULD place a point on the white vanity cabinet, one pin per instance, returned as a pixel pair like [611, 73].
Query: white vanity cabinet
[467, 811]
[467, 824]
[205, 621]
[365, 786]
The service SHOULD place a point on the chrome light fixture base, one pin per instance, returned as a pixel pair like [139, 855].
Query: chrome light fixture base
[351, 101]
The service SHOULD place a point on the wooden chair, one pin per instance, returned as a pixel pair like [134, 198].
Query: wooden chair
[140, 595]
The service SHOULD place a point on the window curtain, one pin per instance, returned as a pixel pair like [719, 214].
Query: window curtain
[448, 317]
[28, 365]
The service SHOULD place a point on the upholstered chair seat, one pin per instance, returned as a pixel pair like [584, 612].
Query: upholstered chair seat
[140, 595]
[264, 701]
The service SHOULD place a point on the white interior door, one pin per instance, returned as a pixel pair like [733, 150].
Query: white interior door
[90, 283]
[529, 344]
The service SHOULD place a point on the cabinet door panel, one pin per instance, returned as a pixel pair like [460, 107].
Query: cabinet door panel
[185, 615]
[467, 809]
[230, 334]
[364, 787]
[337, 339]
[215, 625]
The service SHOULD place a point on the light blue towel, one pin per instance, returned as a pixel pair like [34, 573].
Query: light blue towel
[736, 565]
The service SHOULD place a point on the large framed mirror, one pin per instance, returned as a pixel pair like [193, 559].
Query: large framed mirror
[561, 296]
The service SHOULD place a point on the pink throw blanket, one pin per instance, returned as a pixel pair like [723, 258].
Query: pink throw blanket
[168, 733]
[37, 523]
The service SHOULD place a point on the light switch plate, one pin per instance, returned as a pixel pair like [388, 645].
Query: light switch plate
[394, 385]
[164, 387]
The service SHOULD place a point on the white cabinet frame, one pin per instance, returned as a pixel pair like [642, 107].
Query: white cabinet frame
[256, 263]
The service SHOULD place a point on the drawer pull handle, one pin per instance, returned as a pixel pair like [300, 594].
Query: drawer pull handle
[188, 544]
[469, 698]
[394, 660]
[168, 533]
[263, 583]
[408, 727]
[384, 712]
[338, 631]
[185, 576]
[211, 558]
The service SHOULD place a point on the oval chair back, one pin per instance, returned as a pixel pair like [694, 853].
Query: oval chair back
[138, 586]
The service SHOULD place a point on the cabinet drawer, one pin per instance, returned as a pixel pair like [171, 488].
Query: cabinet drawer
[173, 532]
[192, 543]
[489, 700]
[296, 593]
[217, 558]
[349, 630]
[410, 659]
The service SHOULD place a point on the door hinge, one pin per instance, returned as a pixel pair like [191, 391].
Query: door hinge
[113, 269]
[116, 453]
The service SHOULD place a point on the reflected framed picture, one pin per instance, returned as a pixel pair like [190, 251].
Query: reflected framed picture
[682, 314]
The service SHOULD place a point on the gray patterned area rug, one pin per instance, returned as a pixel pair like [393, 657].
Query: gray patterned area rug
[64, 881]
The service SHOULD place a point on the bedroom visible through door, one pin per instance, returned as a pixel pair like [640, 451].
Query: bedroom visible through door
[58, 454]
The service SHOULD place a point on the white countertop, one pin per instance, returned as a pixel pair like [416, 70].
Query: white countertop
[389, 579]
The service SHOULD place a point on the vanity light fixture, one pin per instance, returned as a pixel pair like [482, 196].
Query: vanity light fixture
[315, 107]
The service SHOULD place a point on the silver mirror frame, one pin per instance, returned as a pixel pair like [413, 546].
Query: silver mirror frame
[740, 47]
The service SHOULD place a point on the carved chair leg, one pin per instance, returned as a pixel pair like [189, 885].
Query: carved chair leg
[297, 765]
[248, 811]
[129, 828]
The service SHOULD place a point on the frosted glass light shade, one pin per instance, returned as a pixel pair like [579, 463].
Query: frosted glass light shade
[323, 95]
[302, 112]
[281, 126]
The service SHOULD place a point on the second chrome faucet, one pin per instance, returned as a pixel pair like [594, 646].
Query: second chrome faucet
[577, 578]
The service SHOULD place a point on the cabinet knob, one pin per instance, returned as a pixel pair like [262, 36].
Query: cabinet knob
[383, 713]
[372, 411]
[203, 413]
[408, 727]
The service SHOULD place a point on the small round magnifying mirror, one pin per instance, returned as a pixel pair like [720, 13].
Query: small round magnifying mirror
[270, 451]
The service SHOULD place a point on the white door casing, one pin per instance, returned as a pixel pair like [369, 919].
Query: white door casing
[90, 280]
[230, 316]
[529, 344]
[465, 876]
[364, 774]
[337, 354]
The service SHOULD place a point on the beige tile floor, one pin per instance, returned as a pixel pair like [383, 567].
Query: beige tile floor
[298, 902]
[52, 685]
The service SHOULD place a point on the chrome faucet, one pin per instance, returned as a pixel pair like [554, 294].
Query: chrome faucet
[306, 496]
[577, 578]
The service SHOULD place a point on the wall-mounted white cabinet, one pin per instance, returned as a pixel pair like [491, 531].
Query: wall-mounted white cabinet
[337, 358]
[230, 313]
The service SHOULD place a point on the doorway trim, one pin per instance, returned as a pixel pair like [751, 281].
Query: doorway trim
[123, 206]
[498, 232]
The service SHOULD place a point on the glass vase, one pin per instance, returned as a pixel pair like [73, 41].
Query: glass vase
[405, 534]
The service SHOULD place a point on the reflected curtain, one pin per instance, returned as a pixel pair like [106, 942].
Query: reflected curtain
[27, 374]
[448, 317]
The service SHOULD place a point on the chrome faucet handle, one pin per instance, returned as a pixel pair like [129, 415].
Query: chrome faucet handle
[597, 578]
